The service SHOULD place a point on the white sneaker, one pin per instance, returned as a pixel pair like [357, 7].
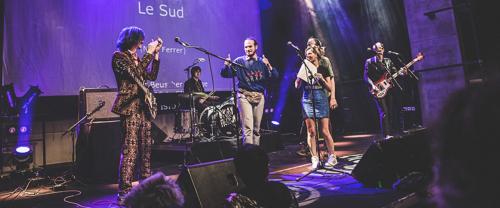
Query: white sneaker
[315, 162]
[332, 161]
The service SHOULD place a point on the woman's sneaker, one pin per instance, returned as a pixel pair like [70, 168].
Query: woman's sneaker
[315, 162]
[332, 161]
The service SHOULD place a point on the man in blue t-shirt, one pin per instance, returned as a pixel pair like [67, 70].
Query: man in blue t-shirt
[252, 80]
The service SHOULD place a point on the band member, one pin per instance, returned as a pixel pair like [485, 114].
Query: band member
[195, 86]
[130, 104]
[325, 62]
[251, 85]
[375, 68]
[318, 93]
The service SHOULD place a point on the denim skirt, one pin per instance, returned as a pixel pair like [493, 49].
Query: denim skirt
[321, 103]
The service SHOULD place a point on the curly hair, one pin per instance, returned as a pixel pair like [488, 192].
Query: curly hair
[156, 191]
[128, 37]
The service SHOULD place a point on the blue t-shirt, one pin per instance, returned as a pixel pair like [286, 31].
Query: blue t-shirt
[254, 76]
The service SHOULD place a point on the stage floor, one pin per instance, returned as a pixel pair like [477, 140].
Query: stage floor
[324, 188]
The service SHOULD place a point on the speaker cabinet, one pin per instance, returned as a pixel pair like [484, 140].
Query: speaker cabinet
[208, 184]
[89, 99]
[387, 161]
[98, 151]
[211, 151]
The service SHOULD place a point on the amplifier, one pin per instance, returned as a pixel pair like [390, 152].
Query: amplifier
[90, 98]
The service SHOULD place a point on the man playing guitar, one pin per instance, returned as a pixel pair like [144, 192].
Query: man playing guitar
[377, 68]
[134, 103]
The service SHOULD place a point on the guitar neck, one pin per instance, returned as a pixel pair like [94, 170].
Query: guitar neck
[410, 64]
[138, 81]
[406, 67]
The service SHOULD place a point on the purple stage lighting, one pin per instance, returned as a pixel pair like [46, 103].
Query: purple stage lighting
[23, 150]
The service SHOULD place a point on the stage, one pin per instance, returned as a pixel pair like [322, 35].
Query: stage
[324, 188]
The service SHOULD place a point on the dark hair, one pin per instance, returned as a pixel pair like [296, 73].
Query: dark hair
[465, 149]
[155, 191]
[195, 69]
[254, 40]
[319, 45]
[316, 40]
[129, 37]
[251, 163]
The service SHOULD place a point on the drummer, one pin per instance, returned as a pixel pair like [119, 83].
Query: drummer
[195, 86]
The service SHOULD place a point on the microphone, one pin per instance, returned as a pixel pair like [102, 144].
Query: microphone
[393, 53]
[101, 103]
[388, 52]
[196, 61]
[178, 40]
[199, 60]
[292, 45]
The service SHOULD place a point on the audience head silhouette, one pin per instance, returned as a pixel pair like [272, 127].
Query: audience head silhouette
[157, 191]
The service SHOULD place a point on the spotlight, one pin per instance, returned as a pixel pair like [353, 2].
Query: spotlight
[23, 157]
[29, 98]
[276, 123]
[8, 100]
[12, 130]
[23, 129]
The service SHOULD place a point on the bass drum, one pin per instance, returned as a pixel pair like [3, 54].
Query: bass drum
[227, 120]
[218, 120]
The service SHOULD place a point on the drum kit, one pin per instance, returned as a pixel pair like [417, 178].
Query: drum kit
[216, 120]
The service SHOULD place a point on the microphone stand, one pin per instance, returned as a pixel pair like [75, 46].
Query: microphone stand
[310, 78]
[73, 135]
[73, 127]
[233, 92]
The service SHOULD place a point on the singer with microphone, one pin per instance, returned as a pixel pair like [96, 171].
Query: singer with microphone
[322, 92]
[130, 103]
[252, 82]
[376, 68]
[325, 63]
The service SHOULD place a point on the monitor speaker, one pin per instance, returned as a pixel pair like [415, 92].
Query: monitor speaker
[387, 161]
[208, 184]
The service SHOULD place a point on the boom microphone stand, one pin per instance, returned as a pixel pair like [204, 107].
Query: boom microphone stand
[310, 78]
[233, 92]
[72, 130]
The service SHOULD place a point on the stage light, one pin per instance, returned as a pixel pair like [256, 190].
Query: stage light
[23, 129]
[12, 130]
[276, 123]
[8, 100]
[29, 98]
[23, 156]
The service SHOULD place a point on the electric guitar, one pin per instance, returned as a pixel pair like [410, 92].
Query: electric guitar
[385, 82]
[149, 97]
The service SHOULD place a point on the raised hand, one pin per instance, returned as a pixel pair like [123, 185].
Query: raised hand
[228, 60]
[152, 46]
[159, 45]
[266, 62]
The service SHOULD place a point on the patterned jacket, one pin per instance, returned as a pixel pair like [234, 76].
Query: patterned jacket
[130, 97]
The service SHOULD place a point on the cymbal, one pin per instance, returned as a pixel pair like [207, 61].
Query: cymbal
[200, 94]
[195, 95]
